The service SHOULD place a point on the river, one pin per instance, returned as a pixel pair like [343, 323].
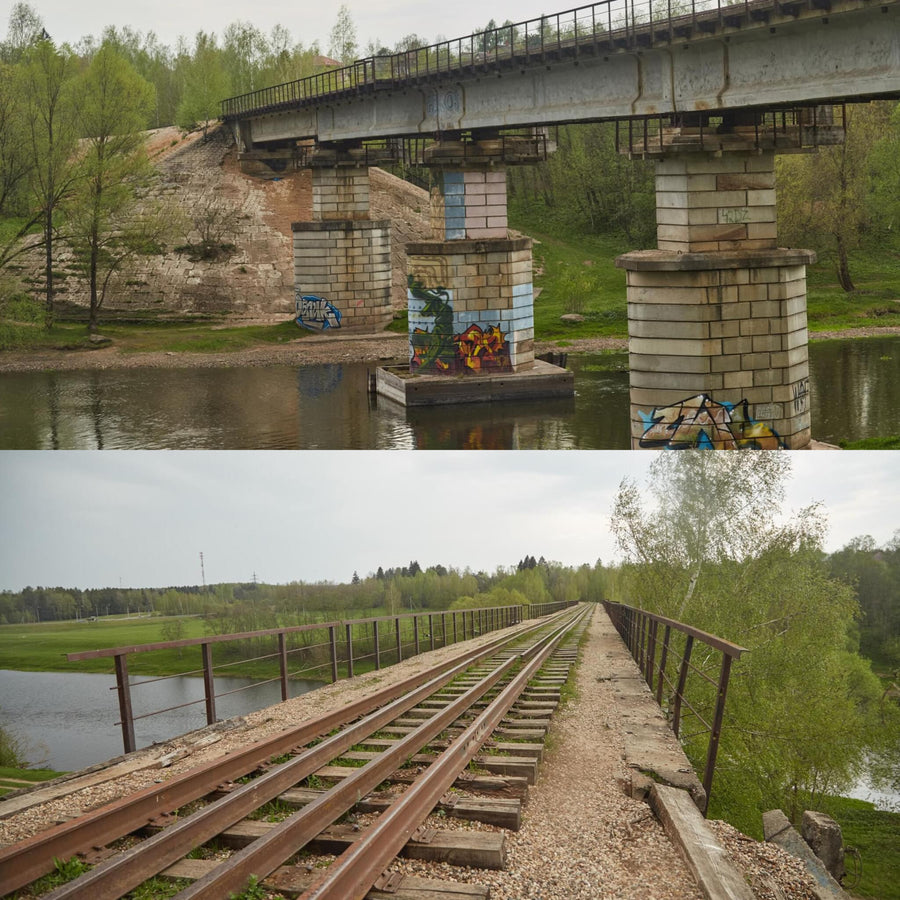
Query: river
[854, 385]
[67, 721]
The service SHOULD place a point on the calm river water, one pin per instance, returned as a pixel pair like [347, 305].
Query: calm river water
[854, 384]
[67, 721]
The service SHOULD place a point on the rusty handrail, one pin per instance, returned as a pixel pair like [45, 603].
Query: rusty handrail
[640, 631]
[339, 643]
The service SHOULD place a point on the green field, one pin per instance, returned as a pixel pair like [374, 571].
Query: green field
[43, 648]
[876, 835]
[16, 779]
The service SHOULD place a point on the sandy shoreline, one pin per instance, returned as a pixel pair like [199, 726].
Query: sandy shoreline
[307, 351]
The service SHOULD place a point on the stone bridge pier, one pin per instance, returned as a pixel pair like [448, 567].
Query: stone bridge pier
[342, 258]
[717, 314]
[470, 288]
[471, 299]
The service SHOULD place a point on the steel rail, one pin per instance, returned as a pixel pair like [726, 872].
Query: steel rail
[23, 862]
[267, 853]
[111, 879]
[354, 872]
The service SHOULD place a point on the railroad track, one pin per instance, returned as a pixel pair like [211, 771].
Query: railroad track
[462, 738]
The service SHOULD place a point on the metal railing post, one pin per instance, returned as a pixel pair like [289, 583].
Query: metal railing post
[682, 682]
[431, 630]
[209, 683]
[662, 664]
[123, 688]
[332, 638]
[349, 650]
[377, 647]
[713, 749]
[416, 634]
[399, 639]
[282, 664]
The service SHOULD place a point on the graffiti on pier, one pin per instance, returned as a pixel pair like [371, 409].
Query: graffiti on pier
[701, 423]
[801, 395]
[482, 350]
[316, 313]
[431, 350]
[434, 345]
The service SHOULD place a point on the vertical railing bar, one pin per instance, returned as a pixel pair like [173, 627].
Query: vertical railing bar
[713, 747]
[349, 650]
[209, 683]
[662, 664]
[377, 646]
[682, 681]
[126, 715]
[282, 663]
[332, 637]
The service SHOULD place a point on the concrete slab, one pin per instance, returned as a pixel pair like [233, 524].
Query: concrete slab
[544, 380]
[652, 751]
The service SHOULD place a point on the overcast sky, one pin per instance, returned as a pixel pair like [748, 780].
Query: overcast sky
[386, 21]
[141, 519]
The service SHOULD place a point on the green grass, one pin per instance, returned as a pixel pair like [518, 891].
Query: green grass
[42, 648]
[876, 835]
[11, 778]
[875, 302]
[577, 274]
[876, 443]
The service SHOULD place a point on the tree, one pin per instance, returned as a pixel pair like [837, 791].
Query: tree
[245, 49]
[113, 104]
[715, 551]
[15, 161]
[206, 83]
[825, 198]
[25, 29]
[342, 40]
[45, 83]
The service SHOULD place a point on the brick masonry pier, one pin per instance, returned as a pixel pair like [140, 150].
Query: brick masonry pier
[342, 259]
[717, 315]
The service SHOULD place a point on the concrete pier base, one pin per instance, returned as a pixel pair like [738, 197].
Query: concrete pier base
[542, 380]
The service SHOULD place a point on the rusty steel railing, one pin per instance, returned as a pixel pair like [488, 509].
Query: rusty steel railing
[598, 27]
[665, 665]
[337, 649]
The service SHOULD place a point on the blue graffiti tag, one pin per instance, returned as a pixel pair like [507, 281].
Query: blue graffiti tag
[316, 313]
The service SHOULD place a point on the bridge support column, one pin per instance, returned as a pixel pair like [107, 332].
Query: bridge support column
[471, 299]
[342, 259]
[717, 315]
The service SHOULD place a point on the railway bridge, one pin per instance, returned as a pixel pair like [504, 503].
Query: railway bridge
[711, 90]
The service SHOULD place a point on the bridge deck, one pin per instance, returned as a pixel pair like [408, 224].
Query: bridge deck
[523, 72]
[581, 834]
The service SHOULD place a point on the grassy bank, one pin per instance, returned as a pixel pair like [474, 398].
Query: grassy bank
[15, 779]
[574, 273]
[876, 835]
[43, 648]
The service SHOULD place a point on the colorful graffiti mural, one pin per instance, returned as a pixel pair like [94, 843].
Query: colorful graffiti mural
[700, 422]
[316, 313]
[436, 348]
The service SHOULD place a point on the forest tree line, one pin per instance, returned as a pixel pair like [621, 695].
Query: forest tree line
[870, 571]
[236, 607]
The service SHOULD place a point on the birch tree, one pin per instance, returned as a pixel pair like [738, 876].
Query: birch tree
[709, 543]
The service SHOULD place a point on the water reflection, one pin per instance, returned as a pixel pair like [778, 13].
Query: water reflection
[855, 388]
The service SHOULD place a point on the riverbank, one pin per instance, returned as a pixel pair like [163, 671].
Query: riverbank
[306, 350]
